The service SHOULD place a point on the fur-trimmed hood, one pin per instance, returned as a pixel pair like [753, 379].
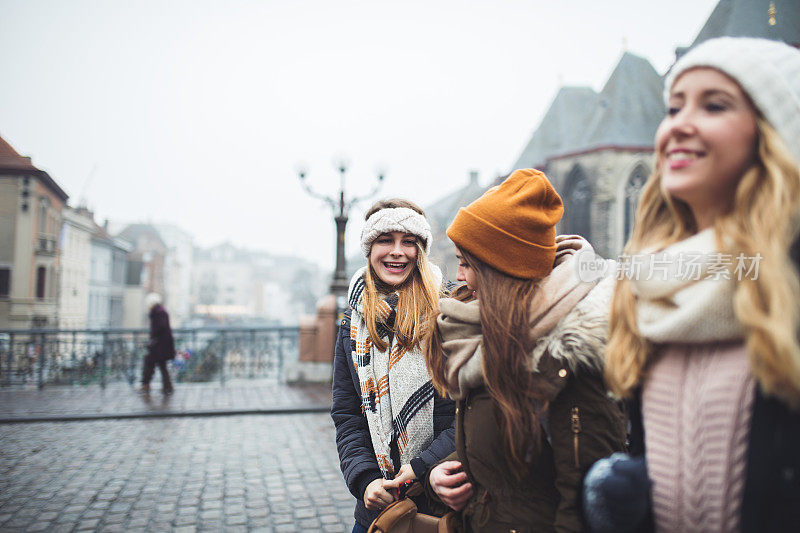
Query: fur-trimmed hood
[569, 322]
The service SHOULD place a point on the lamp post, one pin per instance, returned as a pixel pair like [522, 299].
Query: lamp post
[341, 208]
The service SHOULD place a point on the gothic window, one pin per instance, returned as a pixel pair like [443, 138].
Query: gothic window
[633, 191]
[578, 204]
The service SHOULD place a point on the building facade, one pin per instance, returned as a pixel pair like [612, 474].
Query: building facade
[31, 203]
[107, 275]
[76, 248]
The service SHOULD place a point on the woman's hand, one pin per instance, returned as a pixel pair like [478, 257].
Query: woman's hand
[451, 484]
[377, 497]
[405, 473]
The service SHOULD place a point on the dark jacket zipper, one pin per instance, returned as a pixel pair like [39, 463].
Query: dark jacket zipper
[576, 429]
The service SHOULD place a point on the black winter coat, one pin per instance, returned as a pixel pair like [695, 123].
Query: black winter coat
[161, 346]
[353, 441]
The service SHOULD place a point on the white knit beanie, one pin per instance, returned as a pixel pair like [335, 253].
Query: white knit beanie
[392, 219]
[768, 71]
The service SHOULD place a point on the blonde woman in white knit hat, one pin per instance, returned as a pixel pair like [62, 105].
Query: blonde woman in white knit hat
[704, 329]
[391, 426]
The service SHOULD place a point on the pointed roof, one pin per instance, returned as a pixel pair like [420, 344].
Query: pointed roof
[11, 160]
[132, 233]
[11, 163]
[750, 18]
[629, 108]
[440, 213]
[562, 128]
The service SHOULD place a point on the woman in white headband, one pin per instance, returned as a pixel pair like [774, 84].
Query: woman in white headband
[391, 426]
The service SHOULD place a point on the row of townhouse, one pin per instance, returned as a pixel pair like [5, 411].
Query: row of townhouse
[61, 269]
[58, 267]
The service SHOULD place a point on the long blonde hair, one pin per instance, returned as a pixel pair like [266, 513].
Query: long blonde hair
[418, 295]
[763, 218]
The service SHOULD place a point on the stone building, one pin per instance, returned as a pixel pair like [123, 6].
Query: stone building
[107, 275]
[76, 238]
[31, 203]
[150, 252]
[440, 214]
[597, 148]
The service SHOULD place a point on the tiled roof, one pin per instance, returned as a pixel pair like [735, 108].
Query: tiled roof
[132, 232]
[562, 128]
[11, 160]
[626, 113]
[750, 18]
[14, 164]
[629, 108]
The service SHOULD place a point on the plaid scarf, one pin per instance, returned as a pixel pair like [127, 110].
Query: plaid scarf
[396, 390]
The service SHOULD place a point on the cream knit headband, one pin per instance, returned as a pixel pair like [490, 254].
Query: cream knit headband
[395, 219]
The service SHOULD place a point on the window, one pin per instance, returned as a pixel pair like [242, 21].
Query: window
[578, 204]
[5, 282]
[44, 203]
[633, 190]
[41, 275]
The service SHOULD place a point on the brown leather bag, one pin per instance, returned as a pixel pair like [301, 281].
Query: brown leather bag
[401, 516]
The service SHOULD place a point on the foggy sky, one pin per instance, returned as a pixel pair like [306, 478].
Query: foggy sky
[199, 113]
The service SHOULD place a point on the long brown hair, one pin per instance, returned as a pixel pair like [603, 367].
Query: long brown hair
[504, 311]
[417, 296]
[762, 219]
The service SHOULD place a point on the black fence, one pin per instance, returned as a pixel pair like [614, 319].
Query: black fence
[80, 357]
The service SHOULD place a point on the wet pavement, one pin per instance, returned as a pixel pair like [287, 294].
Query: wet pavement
[254, 472]
[120, 400]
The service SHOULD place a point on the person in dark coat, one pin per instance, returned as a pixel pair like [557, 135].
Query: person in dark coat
[521, 352]
[160, 348]
[391, 426]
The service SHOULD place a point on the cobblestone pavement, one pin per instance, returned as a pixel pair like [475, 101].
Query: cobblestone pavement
[120, 399]
[233, 473]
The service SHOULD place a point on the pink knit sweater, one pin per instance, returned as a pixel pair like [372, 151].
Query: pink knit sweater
[696, 405]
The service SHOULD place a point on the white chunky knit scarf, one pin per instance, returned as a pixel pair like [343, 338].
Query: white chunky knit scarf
[396, 390]
[674, 305]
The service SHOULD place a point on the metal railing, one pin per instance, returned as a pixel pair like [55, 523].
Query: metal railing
[39, 357]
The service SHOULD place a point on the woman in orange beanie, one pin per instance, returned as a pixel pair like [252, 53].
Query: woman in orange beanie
[520, 350]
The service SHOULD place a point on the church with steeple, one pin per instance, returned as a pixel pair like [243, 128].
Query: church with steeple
[597, 148]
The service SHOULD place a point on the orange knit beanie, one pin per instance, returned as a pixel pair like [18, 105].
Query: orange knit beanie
[512, 227]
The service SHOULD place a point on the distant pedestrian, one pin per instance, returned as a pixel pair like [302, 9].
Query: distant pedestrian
[161, 346]
[521, 351]
[711, 363]
[391, 426]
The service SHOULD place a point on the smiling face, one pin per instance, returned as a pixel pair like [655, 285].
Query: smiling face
[393, 257]
[466, 274]
[706, 142]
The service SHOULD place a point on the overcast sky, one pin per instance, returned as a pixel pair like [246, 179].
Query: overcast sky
[199, 113]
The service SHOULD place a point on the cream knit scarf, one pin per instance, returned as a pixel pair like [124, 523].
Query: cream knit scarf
[682, 294]
[396, 390]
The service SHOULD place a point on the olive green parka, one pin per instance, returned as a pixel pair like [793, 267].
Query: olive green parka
[581, 424]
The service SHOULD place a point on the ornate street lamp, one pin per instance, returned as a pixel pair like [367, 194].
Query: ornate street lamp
[340, 208]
